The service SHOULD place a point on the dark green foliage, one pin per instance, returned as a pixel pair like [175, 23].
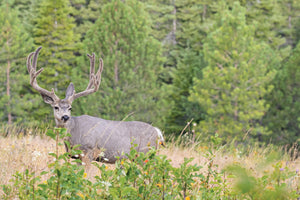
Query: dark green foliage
[269, 18]
[186, 62]
[236, 79]
[156, 54]
[188, 67]
[162, 15]
[132, 62]
[54, 31]
[14, 44]
[85, 14]
[283, 115]
[190, 15]
[164, 29]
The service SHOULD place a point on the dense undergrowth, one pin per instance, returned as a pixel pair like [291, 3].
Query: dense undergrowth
[152, 176]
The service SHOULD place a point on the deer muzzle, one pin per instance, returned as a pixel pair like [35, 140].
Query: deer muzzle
[65, 118]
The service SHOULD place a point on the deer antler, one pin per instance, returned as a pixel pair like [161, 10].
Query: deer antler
[95, 79]
[31, 67]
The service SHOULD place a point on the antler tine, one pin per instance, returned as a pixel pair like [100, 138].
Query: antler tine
[95, 80]
[92, 63]
[100, 67]
[31, 67]
[99, 72]
[92, 69]
[29, 62]
[35, 58]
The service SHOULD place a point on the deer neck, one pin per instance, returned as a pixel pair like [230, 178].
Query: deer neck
[60, 125]
[70, 125]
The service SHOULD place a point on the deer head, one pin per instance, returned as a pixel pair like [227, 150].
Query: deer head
[62, 107]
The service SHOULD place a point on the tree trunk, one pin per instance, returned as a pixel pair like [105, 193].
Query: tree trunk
[174, 25]
[9, 121]
[116, 67]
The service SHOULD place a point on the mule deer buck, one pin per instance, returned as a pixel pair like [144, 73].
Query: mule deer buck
[92, 133]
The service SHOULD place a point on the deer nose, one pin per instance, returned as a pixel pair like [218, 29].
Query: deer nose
[65, 118]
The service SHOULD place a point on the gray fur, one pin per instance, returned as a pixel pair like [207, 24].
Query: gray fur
[114, 137]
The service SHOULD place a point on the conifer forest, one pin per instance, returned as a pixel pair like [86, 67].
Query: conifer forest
[193, 67]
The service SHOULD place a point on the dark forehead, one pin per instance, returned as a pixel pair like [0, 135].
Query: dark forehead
[64, 103]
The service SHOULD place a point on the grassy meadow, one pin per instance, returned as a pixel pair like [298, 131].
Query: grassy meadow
[34, 163]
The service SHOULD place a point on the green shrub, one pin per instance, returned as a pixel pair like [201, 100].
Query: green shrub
[148, 176]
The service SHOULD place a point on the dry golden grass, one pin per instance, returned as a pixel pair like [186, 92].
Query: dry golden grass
[32, 152]
[20, 153]
[254, 161]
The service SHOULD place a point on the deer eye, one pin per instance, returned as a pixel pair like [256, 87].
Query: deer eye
[70, 109]
[56, 108]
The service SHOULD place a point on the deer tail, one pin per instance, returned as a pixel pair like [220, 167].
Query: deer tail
[160, 136]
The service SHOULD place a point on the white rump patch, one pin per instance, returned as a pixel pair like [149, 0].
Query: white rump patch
[159, 134]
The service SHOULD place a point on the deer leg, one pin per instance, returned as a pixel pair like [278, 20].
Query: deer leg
[86, 157]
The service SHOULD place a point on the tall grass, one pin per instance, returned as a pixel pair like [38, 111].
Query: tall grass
[185, 168]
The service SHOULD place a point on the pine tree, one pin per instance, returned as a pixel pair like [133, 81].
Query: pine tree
[268, 14]
[14, 44]
[283, 116]
[189, 66]
[289, 30]
[187, 62]
[85, 14]
[190, 15]
[132, 62]
[162, 13]
[164, 29]
[236, 79]
[53, 29]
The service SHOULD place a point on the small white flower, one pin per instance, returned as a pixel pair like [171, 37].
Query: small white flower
[194, 124]
[76, 156]
[36, 153]
[83, 163]
[54, 159]
[101, 154]
[82, 155]
[108, 184]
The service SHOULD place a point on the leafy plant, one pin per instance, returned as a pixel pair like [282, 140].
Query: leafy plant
[66, 178]
[148, 176]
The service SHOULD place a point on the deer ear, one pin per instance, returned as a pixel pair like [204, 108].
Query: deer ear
[47, 99]
[70, 91]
